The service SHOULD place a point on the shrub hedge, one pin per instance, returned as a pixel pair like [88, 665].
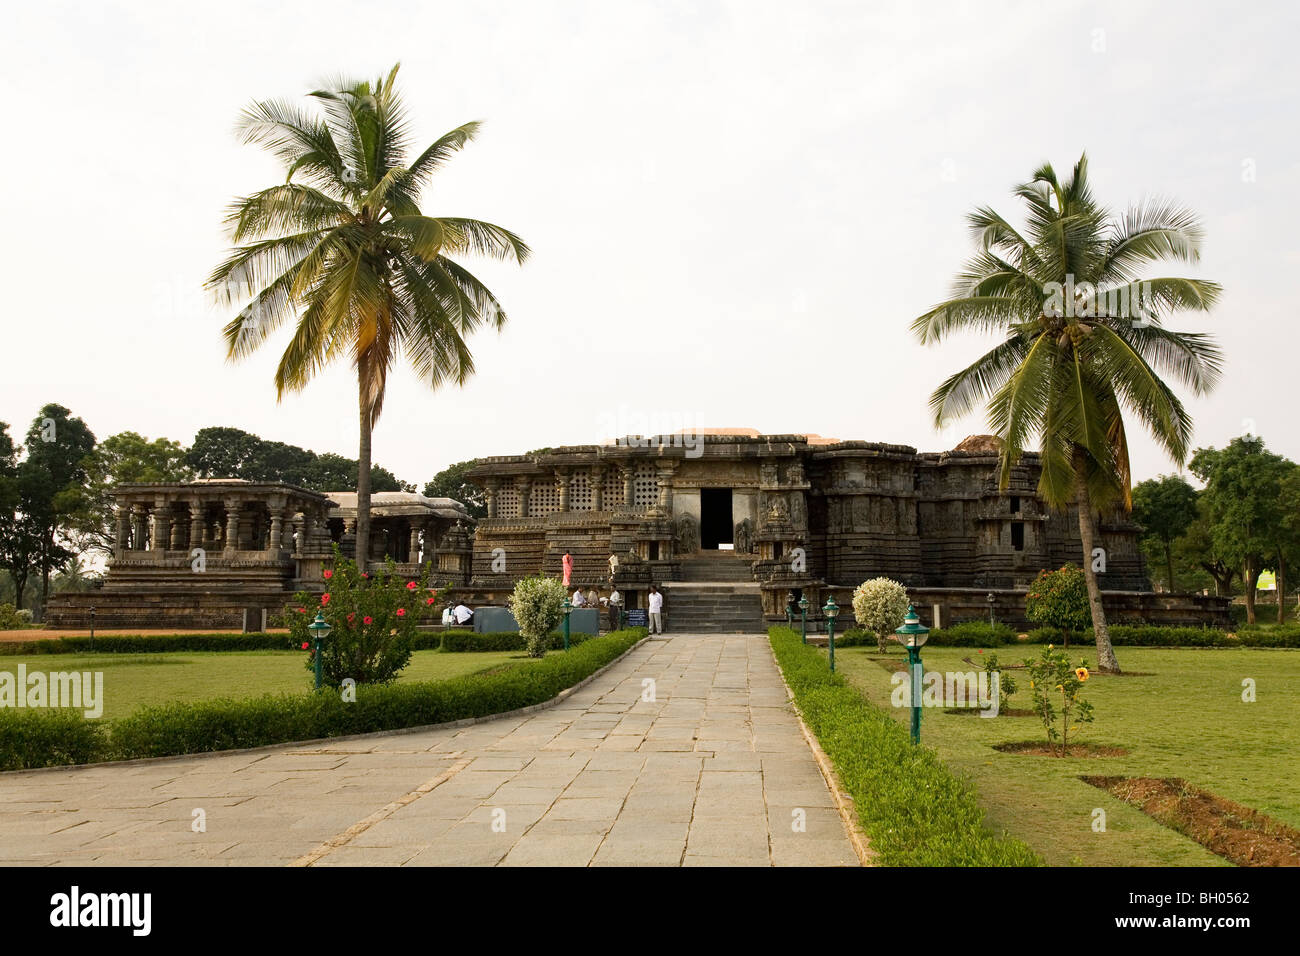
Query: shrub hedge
[453, 640]
[912, 807]
[972, 634]
[34, 738]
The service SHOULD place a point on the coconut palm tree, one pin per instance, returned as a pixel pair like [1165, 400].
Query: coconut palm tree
[1083, 343]
[343, 251]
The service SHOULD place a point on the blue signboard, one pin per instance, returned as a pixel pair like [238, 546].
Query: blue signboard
[637, 618]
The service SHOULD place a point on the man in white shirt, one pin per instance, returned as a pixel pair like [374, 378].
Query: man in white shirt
[578, 600]
[463, 614]
[615, 605]
[655, 616]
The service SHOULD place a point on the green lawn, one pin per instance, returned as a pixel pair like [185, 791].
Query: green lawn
[132, 680]
[1185, 720]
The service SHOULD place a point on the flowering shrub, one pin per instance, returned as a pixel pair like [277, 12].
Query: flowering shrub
[1050, 675]
[538, 606]
[374, 619]
[1060, 599]
[879, 606]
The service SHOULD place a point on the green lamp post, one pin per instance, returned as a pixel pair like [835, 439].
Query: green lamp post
[913, 635]
[568, 607]
[803, 617]
[320, 630]
[831, 610]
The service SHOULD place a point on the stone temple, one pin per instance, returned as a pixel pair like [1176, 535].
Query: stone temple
[729, 525]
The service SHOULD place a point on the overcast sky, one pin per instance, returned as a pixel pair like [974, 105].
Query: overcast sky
[736, 209]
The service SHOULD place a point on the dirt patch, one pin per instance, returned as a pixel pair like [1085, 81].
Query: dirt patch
[892, 666]
[1237, 833]
[1037, 748]
[1009, 712]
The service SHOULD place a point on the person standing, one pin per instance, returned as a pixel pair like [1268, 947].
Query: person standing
[656, 616]
[613, 566]
[615, 605]
[567, 563]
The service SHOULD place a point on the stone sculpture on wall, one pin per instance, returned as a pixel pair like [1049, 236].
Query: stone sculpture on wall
[688, 534]
[744, 537]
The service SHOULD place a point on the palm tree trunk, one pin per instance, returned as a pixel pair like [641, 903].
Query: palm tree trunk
[363, 478]
[1106, 661]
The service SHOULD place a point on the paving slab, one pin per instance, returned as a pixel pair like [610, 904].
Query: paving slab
[686, 752]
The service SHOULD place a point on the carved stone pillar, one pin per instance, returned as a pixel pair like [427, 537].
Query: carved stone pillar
[139, 527]
[178, 530]
[275, 541]
[562, 476]
[525, 490]
[413, 550]
[629, 476]
[123, 528]
[597, 480]
[198, 524]
[490, 494]
[232, 522]
[665, 473]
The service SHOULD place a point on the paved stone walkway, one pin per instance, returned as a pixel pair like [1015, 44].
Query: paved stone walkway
[707, 765]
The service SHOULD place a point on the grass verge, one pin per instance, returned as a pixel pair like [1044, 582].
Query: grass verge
[913, 809]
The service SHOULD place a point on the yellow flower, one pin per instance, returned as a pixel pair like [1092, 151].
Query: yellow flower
[1081, 673]
[1050, 646]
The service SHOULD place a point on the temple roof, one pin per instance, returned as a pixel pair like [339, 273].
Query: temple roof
[398, 504]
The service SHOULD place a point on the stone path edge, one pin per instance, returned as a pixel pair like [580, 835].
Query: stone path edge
[463, 722]
[848, 815]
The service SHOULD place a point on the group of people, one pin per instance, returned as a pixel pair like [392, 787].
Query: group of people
[655, 599]
[462, 613]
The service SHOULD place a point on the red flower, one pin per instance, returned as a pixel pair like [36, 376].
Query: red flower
[353, 617]
[401, 612]
[325, 598]
[430, 601]
[302, 610]
[304, 645]
[410, 585]
[364, 574]
[328, 575]
[367, 620]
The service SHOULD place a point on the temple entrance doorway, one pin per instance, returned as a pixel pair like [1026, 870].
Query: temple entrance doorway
[715, 519]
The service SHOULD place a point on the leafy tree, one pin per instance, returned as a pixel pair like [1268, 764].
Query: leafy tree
[1084, 343]
[1286, 548]
[1059, 599]
[1166, 508]
[1243, 496]
[16, 539]
[234, 453]
[124, 457]
[51, 490]
[1196, 550]
[342, 250]
[452, 482]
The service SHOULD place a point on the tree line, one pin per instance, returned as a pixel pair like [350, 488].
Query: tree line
[1244, 521]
